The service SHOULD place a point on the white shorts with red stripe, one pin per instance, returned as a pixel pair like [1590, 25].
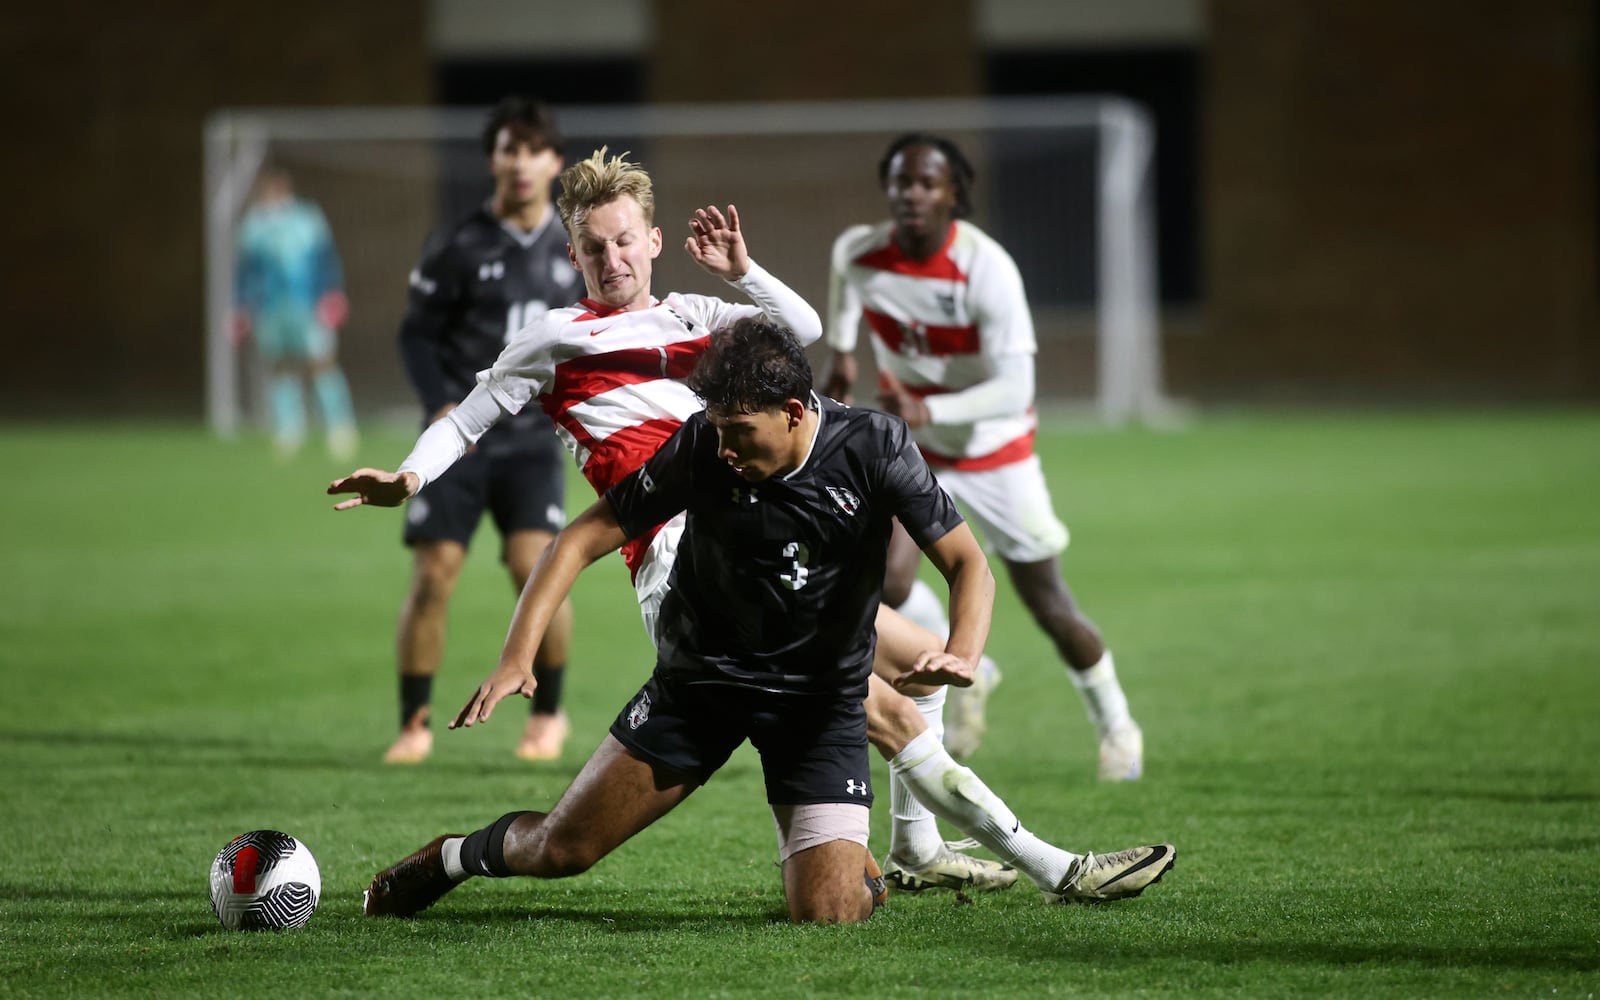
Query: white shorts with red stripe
[1009, 507]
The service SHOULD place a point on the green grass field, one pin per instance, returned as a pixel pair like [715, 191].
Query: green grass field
[1365, 651]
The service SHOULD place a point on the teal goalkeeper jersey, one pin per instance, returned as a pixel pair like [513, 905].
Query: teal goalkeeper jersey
[286, 258]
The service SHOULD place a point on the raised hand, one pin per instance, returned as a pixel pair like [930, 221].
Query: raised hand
[717, 244]
[376, 487]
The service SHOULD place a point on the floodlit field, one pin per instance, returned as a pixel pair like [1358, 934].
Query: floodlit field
[1365, 651]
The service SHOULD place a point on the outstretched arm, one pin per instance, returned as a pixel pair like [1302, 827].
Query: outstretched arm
[590, 535]
[446, 440]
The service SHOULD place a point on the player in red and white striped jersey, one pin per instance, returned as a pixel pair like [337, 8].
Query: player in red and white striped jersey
[953, 339]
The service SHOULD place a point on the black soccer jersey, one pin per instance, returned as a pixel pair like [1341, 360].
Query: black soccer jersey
[479, 282]
[777, 583]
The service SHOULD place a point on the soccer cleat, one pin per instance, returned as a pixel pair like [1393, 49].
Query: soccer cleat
[873, 876]
[1122, 753]
[411, 884]
[543, 736]
[1099, 878]
[413, 746]
[949, 869]
[964, 724]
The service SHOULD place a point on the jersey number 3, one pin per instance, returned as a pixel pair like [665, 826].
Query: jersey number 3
[795, 578]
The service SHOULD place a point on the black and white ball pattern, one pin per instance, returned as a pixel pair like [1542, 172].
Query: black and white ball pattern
[264, 880]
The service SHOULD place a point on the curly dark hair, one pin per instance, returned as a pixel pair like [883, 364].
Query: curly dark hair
[529, 120]
[961, 172]
[752, 366]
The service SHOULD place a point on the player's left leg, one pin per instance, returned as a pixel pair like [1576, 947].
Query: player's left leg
[616, 795]
[333, 403]
[1011, 506]
[1049, 600]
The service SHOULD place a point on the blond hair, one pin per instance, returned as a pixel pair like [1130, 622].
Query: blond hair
[599, 181]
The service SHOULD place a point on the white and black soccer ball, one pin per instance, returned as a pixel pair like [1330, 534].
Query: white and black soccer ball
[264, 881]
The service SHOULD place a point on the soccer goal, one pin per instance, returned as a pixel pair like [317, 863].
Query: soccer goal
[1064, 183]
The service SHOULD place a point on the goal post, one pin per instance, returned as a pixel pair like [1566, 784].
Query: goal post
[1065, 184]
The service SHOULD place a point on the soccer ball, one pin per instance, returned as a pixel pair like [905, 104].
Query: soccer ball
[264, 881]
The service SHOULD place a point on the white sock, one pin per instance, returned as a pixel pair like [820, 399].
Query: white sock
[960, 798]
[1103, 699]
[451, 849]
[923, 606]
[932, 708]
[914, 837]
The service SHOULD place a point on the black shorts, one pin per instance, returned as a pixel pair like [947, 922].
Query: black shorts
[523, 491]
[813, 748]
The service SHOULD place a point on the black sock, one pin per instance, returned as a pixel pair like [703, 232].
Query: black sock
[547, 693]
[484, 852]
[416, 692]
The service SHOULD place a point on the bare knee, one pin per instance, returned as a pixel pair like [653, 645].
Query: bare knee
[434, 576]
[892, 719]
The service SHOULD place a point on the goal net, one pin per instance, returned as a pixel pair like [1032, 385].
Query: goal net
[1063, 183]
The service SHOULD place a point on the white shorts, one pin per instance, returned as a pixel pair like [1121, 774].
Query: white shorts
[807, 826]
[655, 570]
[1010, 509]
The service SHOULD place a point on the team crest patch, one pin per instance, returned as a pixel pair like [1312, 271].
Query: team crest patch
[639, 712]
[562, 272]
[947, 302]
[847, 501]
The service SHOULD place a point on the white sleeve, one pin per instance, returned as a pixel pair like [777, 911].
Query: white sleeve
[1005, 324]
[781, 303]
[1006, 393]
[449, 437]
[844, 303]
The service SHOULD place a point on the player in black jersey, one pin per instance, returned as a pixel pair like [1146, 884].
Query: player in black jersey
[480, 281]
[767, 634]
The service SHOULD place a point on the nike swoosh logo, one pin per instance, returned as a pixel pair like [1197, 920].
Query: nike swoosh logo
[596, 333]
[1154, 858]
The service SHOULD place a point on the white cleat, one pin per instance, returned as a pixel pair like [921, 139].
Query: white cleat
[1100, 878]
[964, 723]
[1122, 754]
[949, 869]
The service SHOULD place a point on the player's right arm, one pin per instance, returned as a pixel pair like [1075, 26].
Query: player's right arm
[439, 447]
[843, 318]
[591, 535]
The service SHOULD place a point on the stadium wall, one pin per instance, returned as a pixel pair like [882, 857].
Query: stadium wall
[1398, 199]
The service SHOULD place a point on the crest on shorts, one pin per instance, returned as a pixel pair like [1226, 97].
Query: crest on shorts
[847, 501]
[639, 712]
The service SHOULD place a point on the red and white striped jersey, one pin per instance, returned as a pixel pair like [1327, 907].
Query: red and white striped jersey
[938, 325]
[611, 381]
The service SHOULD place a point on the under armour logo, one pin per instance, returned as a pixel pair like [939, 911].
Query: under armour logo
[742, 495]
[854, 787]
